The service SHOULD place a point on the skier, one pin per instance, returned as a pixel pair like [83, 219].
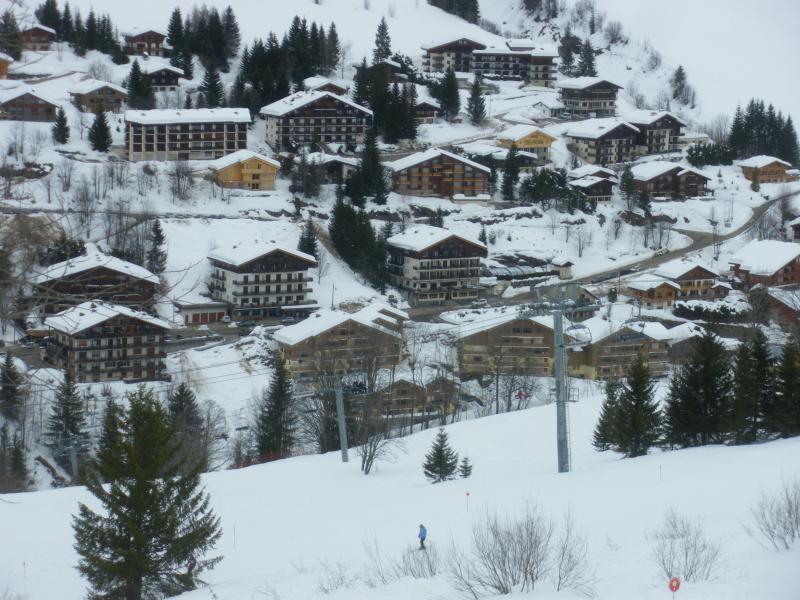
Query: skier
[423, 533]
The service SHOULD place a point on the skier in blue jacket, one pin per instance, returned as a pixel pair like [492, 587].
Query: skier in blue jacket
[423, 533]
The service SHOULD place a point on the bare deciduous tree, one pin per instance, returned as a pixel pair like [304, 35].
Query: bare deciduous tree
[181, 180]
[98, 69]
[64, 172]
[777, 516]
[572, 569]
[682, 549]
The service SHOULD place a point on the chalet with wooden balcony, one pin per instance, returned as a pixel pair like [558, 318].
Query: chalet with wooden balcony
[90, 94]
[163, 78]
[146, 42]
[96, 276]
[521, 60]
[5, 63]
[652, 291]
[596, 189]
[431, 265]
[603, 141]
[697, 282]
[262, 279]
[38, 38]
[592, 171]
[24, 103]
[437, 172]
[528, 138]
[769, 169]
[323, 84]
[245, 169]
[668, 180]
[659, 131]
[334, 342]
[333, 168]
[98, 342]
[784, 306]
[427, 110]
[585, 97]
[767, 262]
[452, 53]
[185, 134]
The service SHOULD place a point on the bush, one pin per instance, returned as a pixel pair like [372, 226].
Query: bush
[682, 549]
[777, 515]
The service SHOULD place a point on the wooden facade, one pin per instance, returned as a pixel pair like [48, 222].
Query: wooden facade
[654, 294]
[426, 112]
[596, 189]
[37, 38]
[163, 78]
[774, 171]
[616, 145]
[438, 173]
[27, 106]
[696, 282]
[610, 357]
[107, 97]
[528, 139]
[454, 54]
[248, 171]
[677, 182]
[593, 97]
[150, 43]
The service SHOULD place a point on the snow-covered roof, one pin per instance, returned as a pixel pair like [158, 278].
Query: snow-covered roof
[151, 67]
[646, 117]
[6, 58]
[239, 156]
[599, 328]
[242, 253]
[549, 102]
[588, 181]
[134, 31]
[531, 46]
[789, 298]
[10, 93]
[492, 320]
[765, 257]
[590, 170]
[376, 315]
[646, 282]
[322, 158]
[675, 269]
[540, 51]
[794, 222]
[481, 148]
[188, 115]
[40, 26]
[517, 132]
[90, 85]
[300, 99]
[312, 83]
[596, 128]
[92, 313]
[420, 237]
[449, 40]
[581, 83]
[684, 170]
[430, 153]
[761, 161]
[91, 260]
[654, 168]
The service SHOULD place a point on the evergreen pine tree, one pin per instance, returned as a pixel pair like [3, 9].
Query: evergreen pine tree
[737, 138]
[233, 38]
[100, 132]
[151, 500]
[383, 43]
[782, 413]
[18, 466]
[678, 83]
[189, 429]
[510, 175]
[67, 25]
[10, 389]
[465, 468]
[187, 101]
[361, 84]
[745, 392]
[450, 99]
[276, 426]
[48, 15]
[334, 50]
[627, 186]
[212, 89]
[66, 425]
[787, 147]
[140, 92]
[410, 98]
[9, 35]
[755, 183]
[60, 127]
[586, 63]
[441, 461]
[637, 419]
[476, 105]
[175, 29]
[156, 261]
[482, 235]
[110, 442]
[643, 201]
[308, 239]
[371, 166]
[603, 437]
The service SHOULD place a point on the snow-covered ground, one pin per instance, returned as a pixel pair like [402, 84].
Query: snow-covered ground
[289, 525]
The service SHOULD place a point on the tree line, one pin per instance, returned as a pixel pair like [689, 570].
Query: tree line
[469, 10]
[213, 37]
[760, 129]
[572, 49]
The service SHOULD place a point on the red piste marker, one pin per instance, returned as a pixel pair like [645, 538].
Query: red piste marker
[674, 585]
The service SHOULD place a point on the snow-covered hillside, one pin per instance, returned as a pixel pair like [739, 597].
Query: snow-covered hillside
[290, 525]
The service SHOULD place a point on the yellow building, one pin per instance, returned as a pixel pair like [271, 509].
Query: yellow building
[528, 138]
[245, 169]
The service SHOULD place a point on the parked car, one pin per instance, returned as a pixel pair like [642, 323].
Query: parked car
[662, 251]
[288, 320]
[226, 319]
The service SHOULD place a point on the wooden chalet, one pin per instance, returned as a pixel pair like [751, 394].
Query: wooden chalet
[767, 262]
[437, 172]
[784, 306]
[453, 53]
[37, 38]
[588, 97]
[662, 179]
[163, 78]
[24, 103]
[596, 189]
[91, 94]
[427, 111]
[323, 84]
[334, 342]
[245, 169]
[795, 225]
[528, 138]
[696, 281]
[603, 141]
[98, 342]
[769, 169]
[261, 279]
[659, 131]
[97, 276]
[296, 120]
[5, 63]
[333, 168]
[592, 171]
[652, 291]
[146, 42]
[431, 265]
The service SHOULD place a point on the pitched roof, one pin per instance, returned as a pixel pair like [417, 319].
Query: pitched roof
[644, 283]
[599, 328]
[303, 98]
[239, 156]
[92, 313]
[150, 68]
[430, 153]
[531, 46]
[549, 102]
[597, 128]
[40, 26]
[540, 51]
[481, 148]
[675, 269]
[490, 321]
[789, 298]
[90, 85]
[646, 117]
[586, 170]
[6, 58]
[517, 132]
[761, 161]
[589, 181]
[94, 259]
[654, 168]
[765, 257]
[242, 253]
[322, 158]
[449, 40]
[134, 31]
[188, 115]
[312, 83]
[581, 83]
[10, 93]
[420, 237]
[377, 316]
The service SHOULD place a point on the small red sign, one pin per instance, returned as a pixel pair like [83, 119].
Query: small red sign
[674, 584]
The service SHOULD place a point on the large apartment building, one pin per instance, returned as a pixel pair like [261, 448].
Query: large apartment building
[531, 64]
[585, 97]
[185, 134]
[603, 141]
[431, 265]
[659, 131]
[296, 120]
[98, 342]
[447, 54]
[261, 279]
[437, 172]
